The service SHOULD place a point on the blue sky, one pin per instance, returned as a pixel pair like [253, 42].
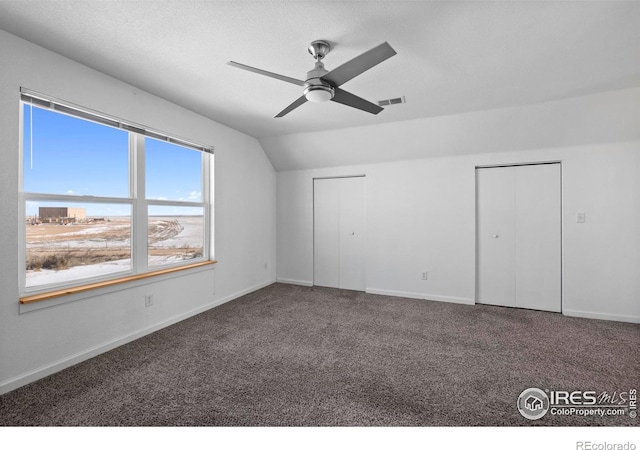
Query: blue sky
[70, 156]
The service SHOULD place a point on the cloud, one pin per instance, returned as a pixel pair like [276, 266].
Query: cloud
[193, 196]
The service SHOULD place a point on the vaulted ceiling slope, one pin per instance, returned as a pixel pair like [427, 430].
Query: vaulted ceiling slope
[453, 57]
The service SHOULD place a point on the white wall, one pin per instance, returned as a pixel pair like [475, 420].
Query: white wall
[36, 343]
[612, 116]
[421, 217]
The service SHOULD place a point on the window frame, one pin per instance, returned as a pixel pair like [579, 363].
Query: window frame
[139, 204]
[145, 203]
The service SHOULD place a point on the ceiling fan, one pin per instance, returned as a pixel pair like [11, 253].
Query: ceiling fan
[322, 85]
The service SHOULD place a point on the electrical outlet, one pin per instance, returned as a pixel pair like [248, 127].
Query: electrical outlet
[425, 276]
[148, 300]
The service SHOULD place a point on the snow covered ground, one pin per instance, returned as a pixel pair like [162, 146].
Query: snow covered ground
[186, 232]
[41, 277]
[191, 234]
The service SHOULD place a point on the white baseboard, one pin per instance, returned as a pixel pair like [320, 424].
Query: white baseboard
[235, 295]
[601, 316]
[436, 298]
[298, 282]
[33, 375]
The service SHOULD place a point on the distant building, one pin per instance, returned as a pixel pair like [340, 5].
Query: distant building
[61, 214]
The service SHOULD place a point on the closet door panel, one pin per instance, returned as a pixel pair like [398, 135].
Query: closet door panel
[339, 214]
[352, 215]
[326, 233]
[496, 236]
[538, 237]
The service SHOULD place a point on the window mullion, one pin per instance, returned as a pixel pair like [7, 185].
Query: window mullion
[75, 198]
[140, 210]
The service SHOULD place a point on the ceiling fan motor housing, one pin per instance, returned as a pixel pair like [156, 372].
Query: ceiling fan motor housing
[316, 89]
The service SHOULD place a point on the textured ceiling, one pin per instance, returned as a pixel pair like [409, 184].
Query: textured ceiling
[453, 57]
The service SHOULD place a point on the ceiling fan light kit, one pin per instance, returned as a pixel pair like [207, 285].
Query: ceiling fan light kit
[319, 94]
[322, 85]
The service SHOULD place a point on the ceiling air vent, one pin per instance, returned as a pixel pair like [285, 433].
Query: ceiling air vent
[392, 101]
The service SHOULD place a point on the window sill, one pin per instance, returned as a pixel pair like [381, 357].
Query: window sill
[29, 299]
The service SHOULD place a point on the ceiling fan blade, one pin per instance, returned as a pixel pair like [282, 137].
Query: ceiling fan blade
[292, 106]
[347, 98]
[266, 73]
[359, 64]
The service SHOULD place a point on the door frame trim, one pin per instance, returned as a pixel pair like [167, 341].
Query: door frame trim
[476, 237]
[538, 163]
[313, 223]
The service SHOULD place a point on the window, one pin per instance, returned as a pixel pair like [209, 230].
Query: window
[176, 215]
[102, 199]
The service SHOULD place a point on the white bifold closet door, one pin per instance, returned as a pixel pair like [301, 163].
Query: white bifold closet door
[519, 236]
[338, 223]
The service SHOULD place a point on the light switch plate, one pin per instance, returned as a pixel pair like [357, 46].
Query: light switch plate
[581, 217]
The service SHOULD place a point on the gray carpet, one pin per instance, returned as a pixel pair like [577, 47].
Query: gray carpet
[296, 356]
